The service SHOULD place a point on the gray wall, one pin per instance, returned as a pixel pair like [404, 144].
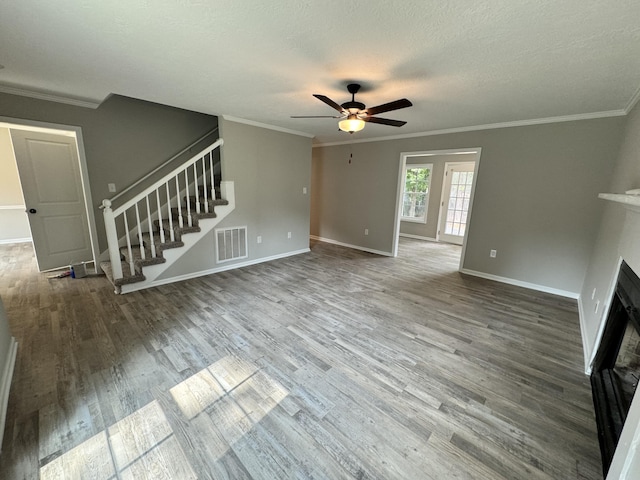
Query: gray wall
[618, 236]
[14, 224]
[269, 170]
[430, 229]
[124, 138]
[535, 201]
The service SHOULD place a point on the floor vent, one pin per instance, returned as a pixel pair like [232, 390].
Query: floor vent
[231, 244]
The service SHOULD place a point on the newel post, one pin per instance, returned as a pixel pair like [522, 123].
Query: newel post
[112, 239]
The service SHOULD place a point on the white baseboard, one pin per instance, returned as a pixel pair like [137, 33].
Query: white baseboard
[418, 237]
[179, 278]
[15, 240]
[585, 346]
[348, 245]
[5, 383]
[519, 283]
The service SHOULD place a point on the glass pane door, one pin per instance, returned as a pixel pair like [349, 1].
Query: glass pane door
[455, 208]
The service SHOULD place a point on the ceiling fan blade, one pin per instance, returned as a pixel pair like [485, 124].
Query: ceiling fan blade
[384, 121]
[316, 116]
[387, 107]
[329, 102]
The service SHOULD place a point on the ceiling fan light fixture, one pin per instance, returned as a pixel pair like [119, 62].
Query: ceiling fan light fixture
[351, 124]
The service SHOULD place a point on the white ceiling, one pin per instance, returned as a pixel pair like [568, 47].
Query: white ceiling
[462, 64]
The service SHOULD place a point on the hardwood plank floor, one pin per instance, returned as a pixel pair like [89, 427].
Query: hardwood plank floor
[328, 365]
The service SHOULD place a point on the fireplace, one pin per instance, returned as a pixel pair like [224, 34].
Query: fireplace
[616, 367]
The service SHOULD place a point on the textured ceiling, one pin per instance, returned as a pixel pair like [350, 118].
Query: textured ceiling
[462, 64]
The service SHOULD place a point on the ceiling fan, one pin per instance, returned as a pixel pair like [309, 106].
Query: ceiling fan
[355, 114]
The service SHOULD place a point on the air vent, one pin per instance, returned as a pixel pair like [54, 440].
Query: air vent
[231, 244]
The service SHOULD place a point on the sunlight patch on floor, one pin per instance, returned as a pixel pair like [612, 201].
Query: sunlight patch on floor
[141, 445]
[90, 459]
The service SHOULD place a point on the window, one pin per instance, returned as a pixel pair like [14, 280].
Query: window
[415, 201]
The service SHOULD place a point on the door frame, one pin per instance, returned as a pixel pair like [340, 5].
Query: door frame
[429, 153]
[448, 165]
[82, 161]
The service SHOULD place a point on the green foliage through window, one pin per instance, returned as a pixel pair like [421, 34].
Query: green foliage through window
[416, 192]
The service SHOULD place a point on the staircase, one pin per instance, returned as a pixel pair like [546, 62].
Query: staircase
[151, 231]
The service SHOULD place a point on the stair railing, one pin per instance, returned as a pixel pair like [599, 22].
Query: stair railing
[194, 178]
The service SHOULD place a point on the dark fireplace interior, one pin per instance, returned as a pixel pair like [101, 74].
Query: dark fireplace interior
[616, 367]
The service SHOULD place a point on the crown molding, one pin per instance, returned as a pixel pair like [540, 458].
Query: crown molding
[49, 97]
[267, 126]
[490, 126]
[633, 101]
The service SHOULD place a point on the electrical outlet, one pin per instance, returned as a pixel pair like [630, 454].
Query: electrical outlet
[493, 253]
[259, 239]
[304, 190]
[112, 187]
[366, 231]
[288, 234]
[593, 294]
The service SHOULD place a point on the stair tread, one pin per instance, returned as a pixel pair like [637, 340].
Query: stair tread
[127, 278]
[137, 256]
[159, 244]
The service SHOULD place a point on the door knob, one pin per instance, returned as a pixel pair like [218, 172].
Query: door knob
[32, 210]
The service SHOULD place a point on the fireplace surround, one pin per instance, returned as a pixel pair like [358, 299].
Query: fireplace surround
[616, 366]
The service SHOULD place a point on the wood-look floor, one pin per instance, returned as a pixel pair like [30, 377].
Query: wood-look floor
[328, 365]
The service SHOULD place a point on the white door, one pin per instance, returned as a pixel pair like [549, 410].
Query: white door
[52, 187]
[456, 195]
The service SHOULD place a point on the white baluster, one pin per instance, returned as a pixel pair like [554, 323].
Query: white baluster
[139, 231]
[161, 226]
[152, 241]
[112, 240]
[171, 232]
[186, 182]
[204, 184]
[180, 220]
[197, 189]
[213, 180]
[132, 268]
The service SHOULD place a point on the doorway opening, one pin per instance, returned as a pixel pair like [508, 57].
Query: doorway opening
[50, 204]
[435, 196]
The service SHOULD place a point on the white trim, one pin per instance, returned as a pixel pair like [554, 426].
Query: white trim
[156, 283]
[585, 344]
[5, 383]
[266, 126]
[455, 151]
[13, 207]
[51, 97]
[631, 202]
[632, 101]
[348, 245]
[605, 313]
[489, 126]
[84, 171]
[418, 237]
[519, 283]
[9, 241]
[422, 220]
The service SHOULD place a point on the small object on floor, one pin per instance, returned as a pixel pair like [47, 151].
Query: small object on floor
[78, 270]
[66, 273]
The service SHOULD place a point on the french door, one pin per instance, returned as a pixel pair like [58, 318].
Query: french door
[456, 196]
